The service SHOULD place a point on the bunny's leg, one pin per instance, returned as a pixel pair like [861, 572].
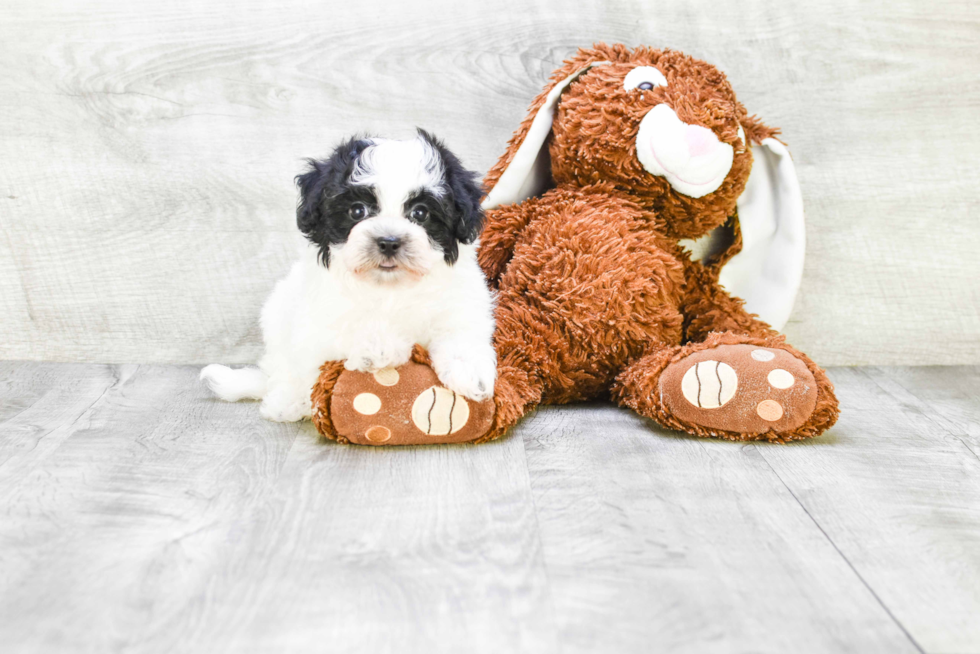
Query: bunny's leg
[735, 378]
[732, 386]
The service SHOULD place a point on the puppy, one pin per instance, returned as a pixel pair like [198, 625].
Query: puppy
[391, 262]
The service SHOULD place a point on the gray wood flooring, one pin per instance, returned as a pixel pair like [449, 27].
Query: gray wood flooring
[139, 515]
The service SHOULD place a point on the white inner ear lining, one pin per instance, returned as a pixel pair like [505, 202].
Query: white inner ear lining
[530, 168]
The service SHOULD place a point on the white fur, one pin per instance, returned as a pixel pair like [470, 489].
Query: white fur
[396, 168]
[367, 317]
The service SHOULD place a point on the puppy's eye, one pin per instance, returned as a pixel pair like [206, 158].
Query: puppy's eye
[418, 213]
[358, 211]
[644, 78]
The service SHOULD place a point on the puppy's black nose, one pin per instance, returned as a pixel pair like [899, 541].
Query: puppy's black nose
[388, 245]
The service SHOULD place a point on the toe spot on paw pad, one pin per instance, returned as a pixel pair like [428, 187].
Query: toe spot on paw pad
[386, 376]
[763, 355]
[709, 384]
[377, 434]
[780, 378]
[438, 411]
[769, 410]
[367, 404]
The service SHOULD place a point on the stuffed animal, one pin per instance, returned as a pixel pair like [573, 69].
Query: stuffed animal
[395, 406]
[644, 235]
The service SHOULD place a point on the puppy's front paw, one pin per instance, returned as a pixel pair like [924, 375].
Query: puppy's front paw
[360, 363]
[373, 359]
[471, 376]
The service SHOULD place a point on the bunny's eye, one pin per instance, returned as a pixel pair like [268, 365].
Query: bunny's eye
[644, 78]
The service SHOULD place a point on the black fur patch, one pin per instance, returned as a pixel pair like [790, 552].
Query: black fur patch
[461, 218]
[326, 196]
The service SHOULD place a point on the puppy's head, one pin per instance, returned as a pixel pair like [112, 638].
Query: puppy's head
[389, 210]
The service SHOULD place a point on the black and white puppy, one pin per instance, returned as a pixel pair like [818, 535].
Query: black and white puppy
[391, 262]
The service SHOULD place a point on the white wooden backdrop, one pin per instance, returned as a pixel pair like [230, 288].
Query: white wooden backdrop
[147, 151]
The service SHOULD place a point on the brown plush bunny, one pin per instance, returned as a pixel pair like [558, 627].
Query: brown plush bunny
[621, 212]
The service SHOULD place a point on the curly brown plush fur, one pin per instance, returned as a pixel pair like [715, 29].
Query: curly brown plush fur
[329, 374]
[597, 120]
[596, 296]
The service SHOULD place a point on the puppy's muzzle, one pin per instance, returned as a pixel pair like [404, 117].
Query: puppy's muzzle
[389, 246]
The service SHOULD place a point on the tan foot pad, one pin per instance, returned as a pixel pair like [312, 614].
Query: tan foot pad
[740, 388]
[405, 406]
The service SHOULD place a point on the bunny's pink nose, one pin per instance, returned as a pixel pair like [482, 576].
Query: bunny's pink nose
[700, 140]
[690, 157]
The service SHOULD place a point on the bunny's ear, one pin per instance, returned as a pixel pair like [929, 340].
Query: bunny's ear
[766, 273]
[524, 170]
[757, 131]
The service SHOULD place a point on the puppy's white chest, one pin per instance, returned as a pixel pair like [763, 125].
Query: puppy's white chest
[344, 319]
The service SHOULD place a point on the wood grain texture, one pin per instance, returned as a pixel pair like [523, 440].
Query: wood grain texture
[900, 490]
[146, 202]
[138, 514]
[163, 520]
[661, 542]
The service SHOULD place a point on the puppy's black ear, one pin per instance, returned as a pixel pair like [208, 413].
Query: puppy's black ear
[309, 211]
[322, 176]
[465, 190]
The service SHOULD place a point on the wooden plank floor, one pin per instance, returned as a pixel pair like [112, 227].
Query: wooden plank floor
[139, 515]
